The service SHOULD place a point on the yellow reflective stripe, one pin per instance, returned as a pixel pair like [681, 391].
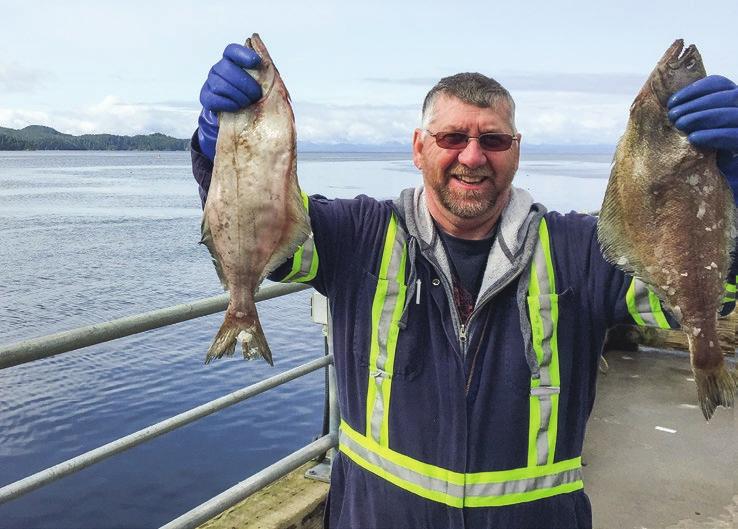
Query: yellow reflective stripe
[538, 330]
[543, 234]
[499, 476]
[313, 268]
[533, 288]
[630, 300]
[536, 323]
[730, 292]
[404, 484]
[534, 425]
[377, 306]
[521, 497]
[443, 474]
[455, 479]
[392, 346]
[389, 241]
[553, 428]
[297, 258]
[554, 343]
[296, 264]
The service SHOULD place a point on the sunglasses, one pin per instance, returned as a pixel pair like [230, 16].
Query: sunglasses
[491, 141]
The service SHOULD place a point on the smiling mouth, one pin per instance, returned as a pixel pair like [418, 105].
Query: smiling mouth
[468, 179]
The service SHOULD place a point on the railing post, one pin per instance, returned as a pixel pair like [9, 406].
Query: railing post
[321, 314]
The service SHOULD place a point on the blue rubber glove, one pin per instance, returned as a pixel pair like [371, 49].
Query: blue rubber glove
[228, 88]
[707, 110]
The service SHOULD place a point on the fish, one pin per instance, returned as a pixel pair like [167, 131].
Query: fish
[254, 218]
[668, 219]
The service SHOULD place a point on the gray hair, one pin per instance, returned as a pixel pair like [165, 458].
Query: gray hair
[473, 88]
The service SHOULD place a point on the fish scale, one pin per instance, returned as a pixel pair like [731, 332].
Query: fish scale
[668, 218]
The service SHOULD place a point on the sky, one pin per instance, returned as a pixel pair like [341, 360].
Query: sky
[357, 71]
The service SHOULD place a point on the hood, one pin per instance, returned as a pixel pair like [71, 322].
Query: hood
[510, 253]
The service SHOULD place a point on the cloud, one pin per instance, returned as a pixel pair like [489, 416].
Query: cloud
[17, 78]
[542, 117]
[114, 116]
[571, 118]
[600, 83]
[371, 124]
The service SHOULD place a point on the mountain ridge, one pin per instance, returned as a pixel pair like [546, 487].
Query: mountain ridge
[41, 137]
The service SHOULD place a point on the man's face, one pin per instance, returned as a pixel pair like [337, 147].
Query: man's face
[469, 183]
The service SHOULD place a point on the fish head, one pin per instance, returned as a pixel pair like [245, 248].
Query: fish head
[677, 68]
[266, 74]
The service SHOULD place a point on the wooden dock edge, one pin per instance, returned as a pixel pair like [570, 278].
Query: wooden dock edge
[628, 337]
[292, 502]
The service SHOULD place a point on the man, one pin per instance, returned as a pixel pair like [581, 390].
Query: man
[468, 320]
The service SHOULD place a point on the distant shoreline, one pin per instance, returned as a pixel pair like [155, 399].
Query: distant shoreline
[41, 138]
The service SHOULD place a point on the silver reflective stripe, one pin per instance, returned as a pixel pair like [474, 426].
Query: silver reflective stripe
[545, 291]
[493, 486]
[392, 290]
[379, 378]
[308, 247]
[426, 482]
[381, 372]
[542, 437]
[643, 302]
[524, 485]
[544, 286]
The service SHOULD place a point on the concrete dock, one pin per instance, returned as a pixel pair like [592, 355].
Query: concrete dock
[652, 461]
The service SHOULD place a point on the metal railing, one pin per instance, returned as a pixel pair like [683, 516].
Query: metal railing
[44, 347]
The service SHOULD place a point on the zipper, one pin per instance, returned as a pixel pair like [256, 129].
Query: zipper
[462, 329]
[455, 317]
[462, 339]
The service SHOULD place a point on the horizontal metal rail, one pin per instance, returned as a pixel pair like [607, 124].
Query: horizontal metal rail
[62, 342]
[75, 464]
[246, 488]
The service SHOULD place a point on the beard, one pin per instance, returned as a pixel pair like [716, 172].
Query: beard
[466, 204]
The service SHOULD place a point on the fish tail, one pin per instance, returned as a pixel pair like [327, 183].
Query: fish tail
[253, 340]
[716, 385]
[715, 388]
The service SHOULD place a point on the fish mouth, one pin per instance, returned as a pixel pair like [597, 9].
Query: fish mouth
[677, 56]
[268, 80]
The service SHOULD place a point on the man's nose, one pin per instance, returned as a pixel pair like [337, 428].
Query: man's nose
[472, 156]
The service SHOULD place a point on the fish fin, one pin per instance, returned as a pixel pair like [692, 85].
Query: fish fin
[716, 387]
[207, 240]
[612, 234]
[253, 343]
[288, 250]
[300, 232]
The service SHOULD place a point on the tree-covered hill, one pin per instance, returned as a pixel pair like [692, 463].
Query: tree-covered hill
[37, 137]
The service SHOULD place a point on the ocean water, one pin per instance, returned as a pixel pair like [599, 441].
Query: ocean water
[92, 236]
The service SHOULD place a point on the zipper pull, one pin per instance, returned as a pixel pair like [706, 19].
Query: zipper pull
[417, 292]
[462, 333]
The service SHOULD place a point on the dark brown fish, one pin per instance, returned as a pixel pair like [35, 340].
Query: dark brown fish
[668, 219]
[254, 217]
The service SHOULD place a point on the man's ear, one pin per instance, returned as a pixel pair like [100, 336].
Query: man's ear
[418, 148]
